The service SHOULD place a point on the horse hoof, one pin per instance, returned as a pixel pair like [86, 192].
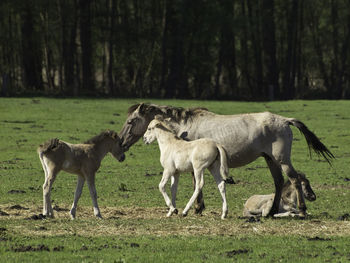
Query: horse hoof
[302, 216]
[184, 214]
[99, 216]
[48, 215]
[199, 209]
[224, 215]
[230, 180]
[176, 211]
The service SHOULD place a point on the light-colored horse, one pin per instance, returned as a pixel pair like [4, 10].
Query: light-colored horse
[177, 155]
[80, 159]
[260, 205]
[245, 137]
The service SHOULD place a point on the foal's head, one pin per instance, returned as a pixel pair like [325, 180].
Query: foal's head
[150, 134]
[113, 142]
[306, 187]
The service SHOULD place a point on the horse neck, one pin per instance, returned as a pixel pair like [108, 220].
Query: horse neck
[164, 138]
[102, 148]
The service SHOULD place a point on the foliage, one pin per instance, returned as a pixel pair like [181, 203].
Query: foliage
[251, 50]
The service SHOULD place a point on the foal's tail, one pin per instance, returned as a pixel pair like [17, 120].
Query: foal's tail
[223, 166]
[312, 141]
[48, 146]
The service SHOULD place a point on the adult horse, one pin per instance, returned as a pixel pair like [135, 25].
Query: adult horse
[245, 137]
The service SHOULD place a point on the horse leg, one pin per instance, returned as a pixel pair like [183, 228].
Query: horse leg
[78, 191]
[276, 173]
[47, 186]
[43, 164]
[296, 182]
[215, 171]
[163, 181]
[198, 174]
[90, 179]
[199, 205]
[174, 184]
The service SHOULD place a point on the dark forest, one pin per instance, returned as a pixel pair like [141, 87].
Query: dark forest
[192, 49]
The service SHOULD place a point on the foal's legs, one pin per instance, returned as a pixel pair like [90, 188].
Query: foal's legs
[215, 171]
[47, 186]
[199, 185]
[174, 184]
[78, 190]
[166, 175]
[199, 205]
[90, 179]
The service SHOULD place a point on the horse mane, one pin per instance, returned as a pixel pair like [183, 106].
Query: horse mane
[100, 137]
[49, 145]
[161, 125]
[175, 113]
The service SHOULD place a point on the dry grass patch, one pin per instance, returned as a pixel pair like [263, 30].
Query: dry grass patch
[130, 221]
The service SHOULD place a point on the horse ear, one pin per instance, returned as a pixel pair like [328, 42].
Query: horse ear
[107, 133]
[301, 175]
[113, 134]
[141, 108]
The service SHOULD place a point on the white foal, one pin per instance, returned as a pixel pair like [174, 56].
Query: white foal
[177, 155]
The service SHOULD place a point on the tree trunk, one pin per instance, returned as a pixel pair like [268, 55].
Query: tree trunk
[289, 69]
[175, 84]
[112, 4]
[245, 51]
[269, 45]
[88, 80]
[31, 50]
[254, 24]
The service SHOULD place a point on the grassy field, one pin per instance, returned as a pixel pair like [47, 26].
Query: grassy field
[134, 227]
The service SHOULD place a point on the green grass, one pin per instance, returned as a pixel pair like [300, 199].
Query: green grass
[134, 227]
[177, 248]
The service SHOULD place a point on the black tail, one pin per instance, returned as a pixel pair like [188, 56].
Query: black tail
[312, 141]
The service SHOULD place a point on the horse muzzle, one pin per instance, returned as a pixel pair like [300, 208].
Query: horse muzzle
[145, 140]
[121, 158]
[311, 198]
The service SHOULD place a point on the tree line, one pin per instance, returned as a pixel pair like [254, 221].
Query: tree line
[203, 49]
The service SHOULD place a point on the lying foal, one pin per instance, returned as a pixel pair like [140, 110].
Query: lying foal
[260, 205]
[177, 155]
[80, 159]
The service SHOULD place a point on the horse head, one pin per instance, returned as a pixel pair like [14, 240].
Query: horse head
[116, 146]
[139, 116]
[307, 190]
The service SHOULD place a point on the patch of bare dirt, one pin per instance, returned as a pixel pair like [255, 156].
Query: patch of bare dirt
[30, 248]
[153, 221]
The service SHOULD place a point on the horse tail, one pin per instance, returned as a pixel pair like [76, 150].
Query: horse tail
[224, 166]
[312, 141]
[48, 146]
